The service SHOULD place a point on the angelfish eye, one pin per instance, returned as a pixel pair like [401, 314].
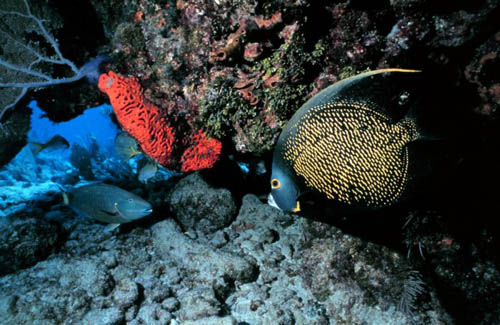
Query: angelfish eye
[275, 184]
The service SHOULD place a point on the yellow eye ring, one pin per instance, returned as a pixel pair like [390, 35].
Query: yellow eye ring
[275, 184]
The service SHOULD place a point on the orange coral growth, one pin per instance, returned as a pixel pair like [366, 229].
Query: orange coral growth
[232, 43]
[288, 31]
[245, 80]
[252, 51]
[268, 23]
[142, 120]
[217, 55]
[181, 4]
[271, 81]
[233, 40]
[247, 93]
[138, 16]
[202, 154]
[246, 85]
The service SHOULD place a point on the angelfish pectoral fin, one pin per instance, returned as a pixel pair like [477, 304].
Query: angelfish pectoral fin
[271, 202]
[297, 207]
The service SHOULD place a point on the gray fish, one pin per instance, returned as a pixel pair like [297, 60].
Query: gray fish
[56, 142]
[107, 203]
[126, 146]
[148, 171]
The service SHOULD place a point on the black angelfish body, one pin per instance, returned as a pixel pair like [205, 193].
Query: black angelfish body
[349, 144]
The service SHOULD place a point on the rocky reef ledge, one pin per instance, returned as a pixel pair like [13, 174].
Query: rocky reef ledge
[252, 266]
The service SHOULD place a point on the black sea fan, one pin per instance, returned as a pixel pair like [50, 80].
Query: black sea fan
[413, 286]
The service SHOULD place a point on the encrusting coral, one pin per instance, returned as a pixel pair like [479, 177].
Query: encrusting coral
[149, 126]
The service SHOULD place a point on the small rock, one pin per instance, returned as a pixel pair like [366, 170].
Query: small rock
[228, 320]
[25, 242]
[126, 293]
[131, 313]
[170, 304]
[201, 258]
[197, 205]
[108, 316]
[89, 275]
[198, 303]
[152, 314]
[160, 293]
[109, 259]
[219, 239]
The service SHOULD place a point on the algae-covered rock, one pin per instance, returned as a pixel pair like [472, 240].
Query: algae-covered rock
[25, 242]
[198, 303]
[269, 267]
[13, 133]
[197, 205]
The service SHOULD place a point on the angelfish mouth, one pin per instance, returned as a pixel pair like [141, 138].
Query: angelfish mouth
[271, 202]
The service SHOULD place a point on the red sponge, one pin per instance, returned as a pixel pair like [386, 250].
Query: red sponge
[148, 125]
[202, 154]
[139, 118]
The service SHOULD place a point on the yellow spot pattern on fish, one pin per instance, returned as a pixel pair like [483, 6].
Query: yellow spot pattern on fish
[351, 153]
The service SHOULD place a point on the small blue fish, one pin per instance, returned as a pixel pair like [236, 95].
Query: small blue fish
[126, 146]
[147, 172]
[56, 142]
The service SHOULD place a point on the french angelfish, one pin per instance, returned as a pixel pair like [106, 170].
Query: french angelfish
[349, 143]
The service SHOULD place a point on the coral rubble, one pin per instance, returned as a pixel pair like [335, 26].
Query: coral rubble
[262, 266]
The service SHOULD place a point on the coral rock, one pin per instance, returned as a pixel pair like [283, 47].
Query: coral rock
[480, 74]
[25, 242]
